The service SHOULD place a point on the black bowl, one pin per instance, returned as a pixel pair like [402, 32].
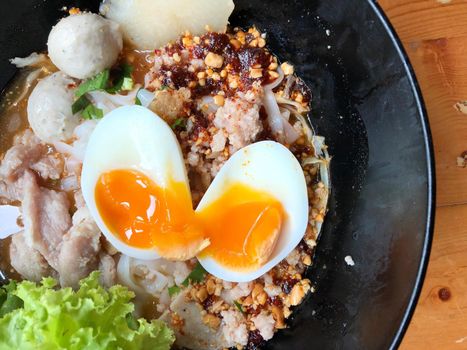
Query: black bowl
[368, 106]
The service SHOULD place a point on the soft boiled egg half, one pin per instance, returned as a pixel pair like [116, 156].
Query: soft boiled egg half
[255, 212]
[135, 184]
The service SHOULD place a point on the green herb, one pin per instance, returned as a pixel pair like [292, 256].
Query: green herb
[92, 112]
[124, 81]
[239, 306]
[80, 104]
[195, 276]
[164, 87]
[180, 123]
[99, 82]
[174, 290]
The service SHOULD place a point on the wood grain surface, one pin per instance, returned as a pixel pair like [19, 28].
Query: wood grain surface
[434, 34]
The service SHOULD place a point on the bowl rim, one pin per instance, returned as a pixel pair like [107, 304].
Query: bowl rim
[430, 173]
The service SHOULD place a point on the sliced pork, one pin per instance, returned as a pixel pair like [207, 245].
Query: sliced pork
[46, 217]
[108, 270]
[79, 253]
[27, 153]
[28, 262]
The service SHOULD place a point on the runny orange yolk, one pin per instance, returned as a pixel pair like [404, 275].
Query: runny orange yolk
[242, 225]
[144, 215]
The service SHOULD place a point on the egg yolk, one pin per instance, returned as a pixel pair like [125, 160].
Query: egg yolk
[239, 230]
[144, 215]
[243, 225]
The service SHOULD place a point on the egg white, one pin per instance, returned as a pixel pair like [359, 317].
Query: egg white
[269, 167]
[131, 137]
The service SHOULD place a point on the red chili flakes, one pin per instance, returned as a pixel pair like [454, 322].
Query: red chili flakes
[255, 340]
[276, 301]
[207, 303]
[176, 76]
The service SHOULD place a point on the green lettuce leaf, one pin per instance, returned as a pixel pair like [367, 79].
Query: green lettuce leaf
[90, 318]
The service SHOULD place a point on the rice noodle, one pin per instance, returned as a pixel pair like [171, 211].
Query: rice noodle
[145, 97]
[286, 102]
[278, 124]
[30, 79]
[77, 149]
[125, 276]
[32, 60]
[276, 82]
[288, 85]
[63, 147]
[151, 276]
[320, 158]
[107, 102]
[285, 113]
[70, 183]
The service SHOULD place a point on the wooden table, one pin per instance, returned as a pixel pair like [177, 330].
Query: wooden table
[434, 33]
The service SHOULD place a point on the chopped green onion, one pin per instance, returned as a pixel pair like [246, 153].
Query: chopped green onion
[174, 290]
[127, 84]
[99, 82]
[239, 306]
[138, 101]
[124, 80]
[195, 276]
[92, 112]
[164, 87]
[179, 123]
[80, 104]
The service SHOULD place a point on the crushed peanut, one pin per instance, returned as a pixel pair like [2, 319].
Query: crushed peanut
[273, 66]
[287, 68]
[256, 73]
[176, 57]
[219, 100]
[298, 292]
[214, 60]
[74, 11]
[258, 294]
[211, 321]
[202, 294]
[187, 41]
[235, 43]
[278, 315]
[274, 75]
[254, 43]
